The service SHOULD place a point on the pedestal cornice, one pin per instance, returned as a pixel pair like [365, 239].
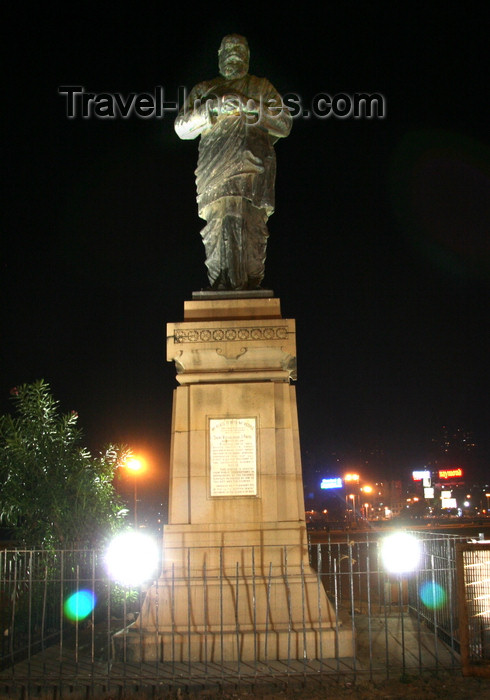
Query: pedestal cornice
[255, 344]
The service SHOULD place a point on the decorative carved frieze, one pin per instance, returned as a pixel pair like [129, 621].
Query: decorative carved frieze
[251, 333]
[232, 349]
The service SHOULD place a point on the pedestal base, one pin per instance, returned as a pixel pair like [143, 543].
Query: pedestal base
[285, 615]
[236, 581]
[208, 647]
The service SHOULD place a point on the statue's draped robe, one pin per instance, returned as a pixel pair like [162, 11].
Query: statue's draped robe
[235, 175]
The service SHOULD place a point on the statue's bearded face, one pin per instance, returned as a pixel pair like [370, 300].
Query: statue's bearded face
[233, 58]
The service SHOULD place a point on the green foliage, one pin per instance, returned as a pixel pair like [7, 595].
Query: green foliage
[53, 491]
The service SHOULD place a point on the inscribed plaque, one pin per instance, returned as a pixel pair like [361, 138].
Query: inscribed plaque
[233, 456]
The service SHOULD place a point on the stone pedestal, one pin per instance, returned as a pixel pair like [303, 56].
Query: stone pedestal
[236, 582]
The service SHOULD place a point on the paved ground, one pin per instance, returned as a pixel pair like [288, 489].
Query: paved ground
[443, 686]
[419, 666]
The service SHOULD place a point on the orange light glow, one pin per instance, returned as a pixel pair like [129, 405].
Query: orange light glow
[351, 477]
[136, 464]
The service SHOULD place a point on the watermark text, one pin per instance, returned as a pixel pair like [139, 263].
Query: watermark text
[84, 104]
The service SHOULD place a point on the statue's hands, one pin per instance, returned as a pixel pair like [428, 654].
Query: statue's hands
[209, 106]
[230, 104]
[226, 104]
[236, 103]
[250, 106]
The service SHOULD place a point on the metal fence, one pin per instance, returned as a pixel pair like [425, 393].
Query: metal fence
[400, 623]
[473, 568]
[408, 621]
[432, 591]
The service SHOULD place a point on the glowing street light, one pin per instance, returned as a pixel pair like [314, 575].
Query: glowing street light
[400, 553]
[132, 558]
[136, 465]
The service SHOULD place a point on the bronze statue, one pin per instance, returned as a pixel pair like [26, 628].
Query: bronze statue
[239, 117]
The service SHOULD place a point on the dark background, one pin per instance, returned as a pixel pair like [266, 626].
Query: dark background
[379, 246]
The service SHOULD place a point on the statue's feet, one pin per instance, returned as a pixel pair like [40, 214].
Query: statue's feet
[253, 283]
[224, 284]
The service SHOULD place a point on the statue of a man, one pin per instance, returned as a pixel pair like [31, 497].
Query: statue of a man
[239, 117]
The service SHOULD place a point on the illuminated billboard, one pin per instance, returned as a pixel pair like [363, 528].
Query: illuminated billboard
[334, 483]
[450, 473]
[419, 475]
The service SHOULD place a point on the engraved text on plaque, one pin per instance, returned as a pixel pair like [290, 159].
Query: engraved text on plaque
[233, 456]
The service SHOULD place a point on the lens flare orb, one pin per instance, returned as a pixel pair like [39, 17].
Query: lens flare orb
[79, 605]
[432, 594]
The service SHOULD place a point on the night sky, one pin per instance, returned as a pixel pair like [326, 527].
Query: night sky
[379, 246]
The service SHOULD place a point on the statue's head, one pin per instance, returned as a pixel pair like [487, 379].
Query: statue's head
[233, 56]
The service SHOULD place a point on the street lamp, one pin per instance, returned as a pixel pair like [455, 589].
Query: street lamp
[367, 491]
[352, 498]
[353, 481]
[136, 465]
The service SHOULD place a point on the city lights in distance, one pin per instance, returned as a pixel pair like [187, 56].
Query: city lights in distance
[333, 483]
[351, 477]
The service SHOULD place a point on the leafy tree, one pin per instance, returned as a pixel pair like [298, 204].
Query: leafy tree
[53, 491]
